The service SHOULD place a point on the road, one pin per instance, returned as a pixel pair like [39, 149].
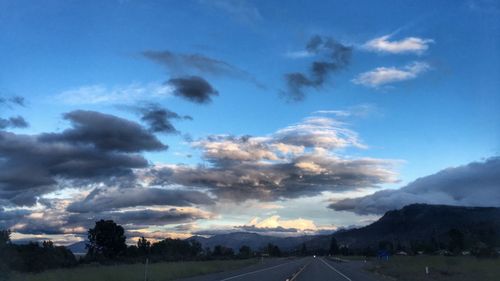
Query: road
[302, 269]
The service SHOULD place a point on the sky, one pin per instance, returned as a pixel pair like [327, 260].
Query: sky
[181, 118]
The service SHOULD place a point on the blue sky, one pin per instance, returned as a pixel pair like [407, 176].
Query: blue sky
[437, 107]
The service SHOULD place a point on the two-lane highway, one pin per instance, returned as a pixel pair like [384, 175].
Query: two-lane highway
[303, 269]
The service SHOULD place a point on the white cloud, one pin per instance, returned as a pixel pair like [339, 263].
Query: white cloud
[298, 54]
[407, 45]
[386, 75]
[98, 94]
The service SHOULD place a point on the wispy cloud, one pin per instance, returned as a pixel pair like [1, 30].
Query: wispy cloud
[385, 75]
[406, 45]
[98, 94]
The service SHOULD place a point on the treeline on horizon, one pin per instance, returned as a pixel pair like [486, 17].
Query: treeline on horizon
[107, 245]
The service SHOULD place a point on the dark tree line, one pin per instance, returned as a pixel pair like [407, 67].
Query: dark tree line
[32, 257]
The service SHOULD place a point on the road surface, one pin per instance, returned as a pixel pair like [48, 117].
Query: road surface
[301, 269]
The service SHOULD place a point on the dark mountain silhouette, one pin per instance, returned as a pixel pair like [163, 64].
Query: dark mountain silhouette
[421, 223]
[78, 247]
[411, 225]
[255, 241]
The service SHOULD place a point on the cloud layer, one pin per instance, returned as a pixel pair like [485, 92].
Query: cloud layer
[474, 184]
[299, 160]
[96, 148]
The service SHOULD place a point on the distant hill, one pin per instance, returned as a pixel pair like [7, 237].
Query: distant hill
[420, 223]
[413, 224]
[78, 247]
[255, 241]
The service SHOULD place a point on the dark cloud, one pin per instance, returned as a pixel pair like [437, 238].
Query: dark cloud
[105, 132]
[105, 200]
[99, 148]
[189, 64]
[193, 88]
[474, 184]
[13, 122]
[159, 119]
[139, 218]
[14, 100]
[334, 57]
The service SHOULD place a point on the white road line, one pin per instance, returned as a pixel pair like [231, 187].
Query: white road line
[298, 273]
[256, 271]
[334, 269]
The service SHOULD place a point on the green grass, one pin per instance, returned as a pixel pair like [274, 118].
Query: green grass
[134, 272]
[441, 268]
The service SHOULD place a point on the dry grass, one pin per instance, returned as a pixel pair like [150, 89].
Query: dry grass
[156, 272]
[441, 268]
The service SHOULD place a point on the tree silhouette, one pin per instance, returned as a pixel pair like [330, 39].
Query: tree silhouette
[106, 239]
[334, 247]
[144, 246]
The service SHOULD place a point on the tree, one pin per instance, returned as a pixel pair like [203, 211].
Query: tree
[106, 239]
[334, 247]
[4, 237]
[144, 246]
[303, 250]
[273, 250]
[457, 243]
[245, 251]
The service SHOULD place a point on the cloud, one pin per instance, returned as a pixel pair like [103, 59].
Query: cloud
[334, 57]
[297, 161]
[105, 132]
[275, 223]
[98, 148]
[116, 198]
[158, 118]
[385, 75]
[198, 65]
[142, 218]
[13, 122]
[474, 184]
[13, 100]
[100, 94]
[193, 88]
[241, 10]
[407, 45]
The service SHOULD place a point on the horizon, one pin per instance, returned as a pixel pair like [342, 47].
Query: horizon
[176, 119]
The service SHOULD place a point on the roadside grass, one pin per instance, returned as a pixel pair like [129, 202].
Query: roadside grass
[412, 268]
[134, 272]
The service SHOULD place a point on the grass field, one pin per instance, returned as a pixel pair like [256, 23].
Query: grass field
[134, 272]
[440, 268]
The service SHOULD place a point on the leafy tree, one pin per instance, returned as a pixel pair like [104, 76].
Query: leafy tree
[245, 251]
[457, 243]
[4, 237]
[144, 246]
[334, 247]
[303, 250]
[273, 250]
[221, 251]
[106, 239]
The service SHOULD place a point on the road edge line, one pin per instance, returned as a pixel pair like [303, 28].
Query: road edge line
[256, 271]
[334, 269]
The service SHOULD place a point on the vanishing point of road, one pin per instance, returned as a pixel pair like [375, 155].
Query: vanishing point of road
[303, 269]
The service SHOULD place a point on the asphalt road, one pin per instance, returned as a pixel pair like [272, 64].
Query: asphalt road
[310, 269]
